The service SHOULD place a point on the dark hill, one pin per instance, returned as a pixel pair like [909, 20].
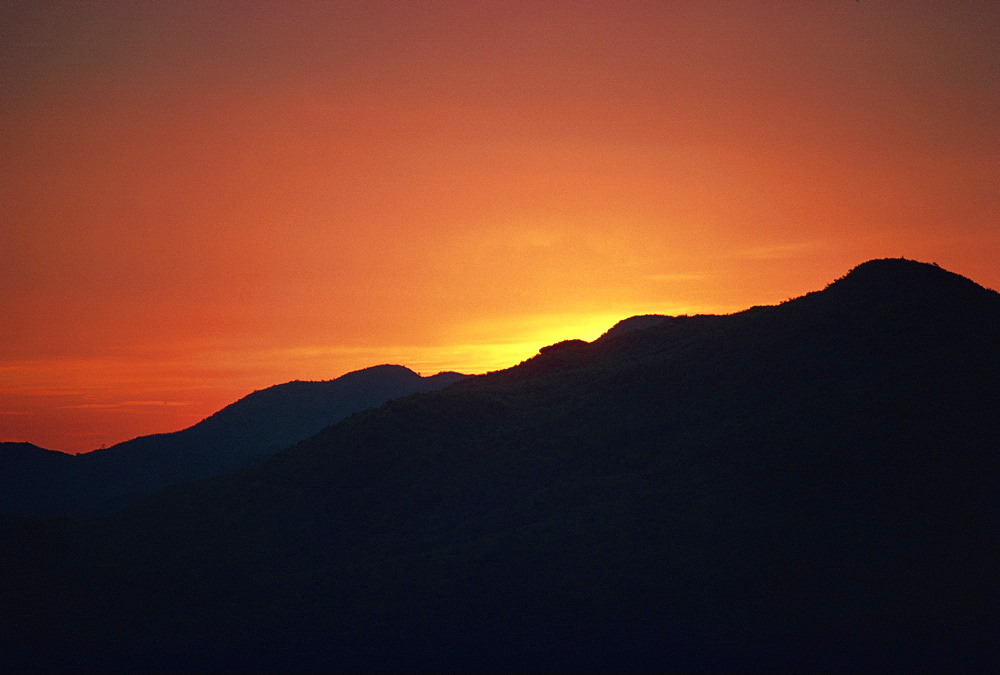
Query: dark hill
[30, 474]
[14, 454]
[24, 466]
[809, 485]
[258, 425]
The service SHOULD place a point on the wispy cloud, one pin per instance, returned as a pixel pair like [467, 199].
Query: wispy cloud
[125, 405]
[676, 277]
[775, 251]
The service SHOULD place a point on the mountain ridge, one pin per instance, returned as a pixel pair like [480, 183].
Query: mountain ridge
[810, 484]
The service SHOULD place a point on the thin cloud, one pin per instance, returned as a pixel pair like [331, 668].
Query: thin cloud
[676, 277]
[125, 405]
[775, 251]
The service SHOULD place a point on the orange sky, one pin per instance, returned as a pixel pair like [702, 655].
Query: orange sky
[200, 199]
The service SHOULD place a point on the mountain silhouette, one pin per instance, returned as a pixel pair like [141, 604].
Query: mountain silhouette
[807, 485]
[32, 465]
[31, 476]
[42, 482]
[13, 454]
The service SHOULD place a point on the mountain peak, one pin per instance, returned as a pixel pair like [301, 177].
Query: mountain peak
[902, 274]
[907, 285]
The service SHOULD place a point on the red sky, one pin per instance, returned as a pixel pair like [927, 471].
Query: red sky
[200, 199]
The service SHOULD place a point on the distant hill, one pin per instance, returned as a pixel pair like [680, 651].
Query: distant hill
[12, 454]
[810, 485]
[31, 463]
[30, 475]
[42, 482]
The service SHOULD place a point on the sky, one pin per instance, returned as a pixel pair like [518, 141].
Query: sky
[201, 199]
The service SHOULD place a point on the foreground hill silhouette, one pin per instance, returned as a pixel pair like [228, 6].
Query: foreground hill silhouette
[806, 485]
[34, 481]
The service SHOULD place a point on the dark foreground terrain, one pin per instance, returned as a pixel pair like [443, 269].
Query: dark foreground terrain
[806, 485]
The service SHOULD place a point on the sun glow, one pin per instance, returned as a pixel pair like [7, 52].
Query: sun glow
[474, 348]
[479, 351]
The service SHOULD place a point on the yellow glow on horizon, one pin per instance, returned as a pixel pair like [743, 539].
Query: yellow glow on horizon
[475, 348]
